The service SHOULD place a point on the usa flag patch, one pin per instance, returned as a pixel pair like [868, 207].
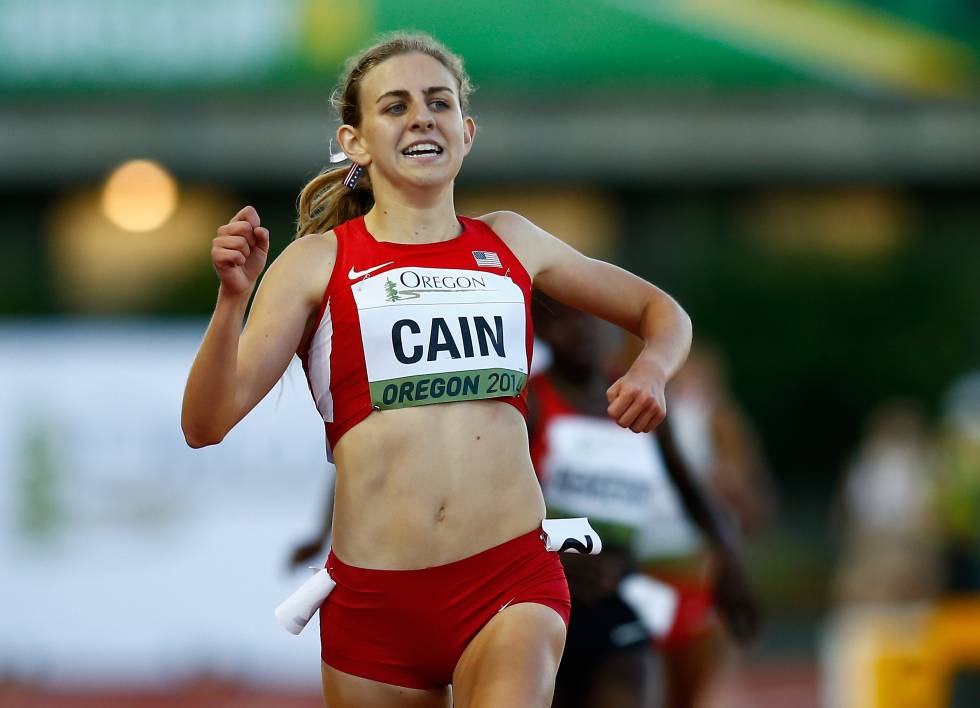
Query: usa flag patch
[487, 259]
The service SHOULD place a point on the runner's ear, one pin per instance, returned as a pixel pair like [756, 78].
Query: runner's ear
[469, 134]
[349, 139]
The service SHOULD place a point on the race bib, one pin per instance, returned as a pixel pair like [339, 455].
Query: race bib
[595, 468]
[433, 335]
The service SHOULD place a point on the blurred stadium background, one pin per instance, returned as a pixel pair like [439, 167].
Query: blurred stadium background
[803, 175]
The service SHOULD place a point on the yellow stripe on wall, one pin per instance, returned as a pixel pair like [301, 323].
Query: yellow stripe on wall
[856, 43]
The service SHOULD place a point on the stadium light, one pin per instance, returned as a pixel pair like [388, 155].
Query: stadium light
[139, 195]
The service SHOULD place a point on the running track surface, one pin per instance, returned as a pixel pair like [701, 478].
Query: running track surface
[789, 685]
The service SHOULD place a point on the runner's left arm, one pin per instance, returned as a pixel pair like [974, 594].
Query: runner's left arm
[733, 594]
[636, 400]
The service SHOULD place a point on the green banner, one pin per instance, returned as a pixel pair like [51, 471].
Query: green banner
[235, 46]
[440, 388]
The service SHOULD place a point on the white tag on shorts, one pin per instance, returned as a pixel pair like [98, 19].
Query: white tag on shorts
[571, 536]
[654, 602]
[296, 610]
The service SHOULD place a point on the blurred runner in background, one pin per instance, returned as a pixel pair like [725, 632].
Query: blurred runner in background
[891, 536]
[716, 442]
[638, 493]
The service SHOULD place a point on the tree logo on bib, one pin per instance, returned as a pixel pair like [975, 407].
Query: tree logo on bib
[392, 291]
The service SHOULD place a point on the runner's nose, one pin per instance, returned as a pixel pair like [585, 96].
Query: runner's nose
[422, 118]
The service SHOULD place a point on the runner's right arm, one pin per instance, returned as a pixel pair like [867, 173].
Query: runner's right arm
[235, 369]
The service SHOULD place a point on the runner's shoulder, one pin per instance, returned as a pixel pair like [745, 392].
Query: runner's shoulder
[521, 235]
[508, 224]
[307, 263]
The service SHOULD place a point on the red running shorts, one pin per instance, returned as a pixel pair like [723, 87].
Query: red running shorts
[409, 627]
[695, 616]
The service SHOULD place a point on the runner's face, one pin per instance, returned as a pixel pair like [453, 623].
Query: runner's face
[412, 127]
[574, 339]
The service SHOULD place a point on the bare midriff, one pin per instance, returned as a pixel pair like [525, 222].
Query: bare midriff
[425, 486]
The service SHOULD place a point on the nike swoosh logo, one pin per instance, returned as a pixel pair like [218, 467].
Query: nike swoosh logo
[505, 605]
[353, 274]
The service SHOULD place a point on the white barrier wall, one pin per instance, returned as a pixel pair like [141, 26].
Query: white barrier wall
[126, 556]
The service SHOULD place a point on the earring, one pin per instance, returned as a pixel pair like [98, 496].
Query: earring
[355, 172]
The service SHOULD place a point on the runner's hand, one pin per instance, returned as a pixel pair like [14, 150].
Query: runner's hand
[734, 599]
[636, 400]
[306, 551]
[239, 251]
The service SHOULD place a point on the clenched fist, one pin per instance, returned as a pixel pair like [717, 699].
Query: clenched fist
[636, 400]
[239, 251]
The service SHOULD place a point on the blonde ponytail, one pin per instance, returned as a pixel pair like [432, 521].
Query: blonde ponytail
[326, 201]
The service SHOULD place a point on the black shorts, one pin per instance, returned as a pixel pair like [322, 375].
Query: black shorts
[595, 633]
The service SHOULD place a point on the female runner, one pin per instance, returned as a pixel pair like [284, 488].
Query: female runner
[641, 496]
[394, 303]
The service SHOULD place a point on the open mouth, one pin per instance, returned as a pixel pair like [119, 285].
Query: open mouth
[422, 150]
